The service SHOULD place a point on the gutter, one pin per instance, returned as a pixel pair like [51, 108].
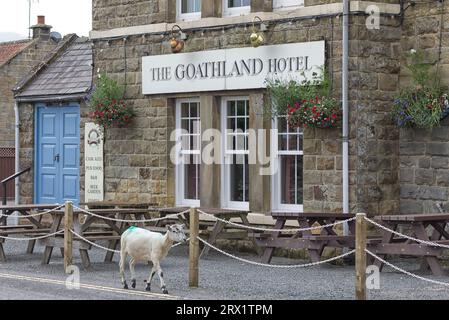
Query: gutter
[58, 98]
[345, 93]
[16, 158]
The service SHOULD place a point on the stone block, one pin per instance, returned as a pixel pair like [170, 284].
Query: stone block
[438, 148]
[325, 163]
[424, 176]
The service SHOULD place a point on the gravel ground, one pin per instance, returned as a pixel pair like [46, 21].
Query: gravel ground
[220, 278]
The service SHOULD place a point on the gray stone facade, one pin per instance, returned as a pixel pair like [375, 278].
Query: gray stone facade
[391, 170]
[138, 169]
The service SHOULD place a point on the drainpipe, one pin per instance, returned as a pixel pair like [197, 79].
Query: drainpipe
[345, 91]
[17, 157]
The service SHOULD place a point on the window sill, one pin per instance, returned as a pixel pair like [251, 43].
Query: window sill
[287, 8]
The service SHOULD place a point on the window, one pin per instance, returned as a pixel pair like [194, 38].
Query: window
[235, 173]
[189, 153]
[287, 183]
[287, 4]
[236, 7]
[188, 10]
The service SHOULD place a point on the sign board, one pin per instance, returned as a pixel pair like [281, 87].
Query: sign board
[93, 161]
[230, 69]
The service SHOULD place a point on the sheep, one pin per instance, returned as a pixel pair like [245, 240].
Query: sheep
[144, 245]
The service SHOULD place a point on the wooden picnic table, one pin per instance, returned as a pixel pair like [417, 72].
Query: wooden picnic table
[218, 229]
[313, 241]
[426, 227]
[36, 228]
[112, 234]
[117, 204]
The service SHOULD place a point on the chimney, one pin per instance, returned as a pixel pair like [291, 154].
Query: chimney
[41, 30]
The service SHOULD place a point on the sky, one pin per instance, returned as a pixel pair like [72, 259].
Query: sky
[66, 16]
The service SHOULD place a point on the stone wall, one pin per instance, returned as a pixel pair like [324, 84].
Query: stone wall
[110, 14]
[10, 74]
[374, 74]
[26, 154]
[136, 157]
[424, 154]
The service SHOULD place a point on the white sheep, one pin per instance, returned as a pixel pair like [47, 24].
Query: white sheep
[144, 245]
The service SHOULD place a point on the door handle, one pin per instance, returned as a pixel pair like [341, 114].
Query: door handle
[56, 158]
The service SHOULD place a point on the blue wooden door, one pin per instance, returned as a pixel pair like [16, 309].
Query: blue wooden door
[57, 154]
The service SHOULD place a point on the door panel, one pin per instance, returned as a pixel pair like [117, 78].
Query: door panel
[57, 154]
[70, 154]
[70, 187]
[47, 149]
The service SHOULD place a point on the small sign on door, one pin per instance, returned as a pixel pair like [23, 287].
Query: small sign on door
[94, 164]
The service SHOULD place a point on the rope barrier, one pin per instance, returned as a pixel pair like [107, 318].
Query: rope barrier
[130, 220]
[276, 230]
[405, 271]
[36, 238]
[430, 243]
[104, 248]
[276, 265]
[35, 214]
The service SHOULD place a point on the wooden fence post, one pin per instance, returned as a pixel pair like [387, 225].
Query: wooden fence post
[68, 236]
[194, 248]
[360, 256]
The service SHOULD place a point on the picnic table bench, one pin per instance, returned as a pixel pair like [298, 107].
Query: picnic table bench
[313, 241]
[426, 227]
[111, 235]
[33, 229]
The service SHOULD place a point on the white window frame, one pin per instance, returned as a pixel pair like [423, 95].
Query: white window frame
[276, 197]
[179, 171]
[186, 16]
[225, 166]
[287, 4]
[235, 11]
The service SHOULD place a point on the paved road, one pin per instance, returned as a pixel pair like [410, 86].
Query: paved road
[220, 278]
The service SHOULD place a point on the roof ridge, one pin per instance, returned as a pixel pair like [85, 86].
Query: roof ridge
[52, 55]
[15, 41]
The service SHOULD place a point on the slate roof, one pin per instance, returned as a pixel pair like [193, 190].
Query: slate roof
[66, 73]
[9, 50]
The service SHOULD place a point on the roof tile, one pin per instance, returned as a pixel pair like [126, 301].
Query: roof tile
[10, 49]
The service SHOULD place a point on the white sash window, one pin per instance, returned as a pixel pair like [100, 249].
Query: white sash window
[236, 7]
[287, 182]
[189, 153]
[235, 173]
[187, 10]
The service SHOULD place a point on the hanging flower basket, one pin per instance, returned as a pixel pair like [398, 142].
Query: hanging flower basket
[421, 108]
[108, 108]
[424, 103]
[306, 103]
[319, 112]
